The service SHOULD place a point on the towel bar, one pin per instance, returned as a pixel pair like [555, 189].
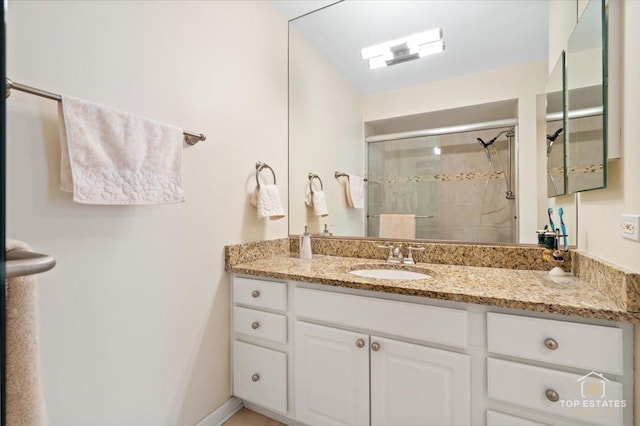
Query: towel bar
[20, 263]
[338, 175]
[417, 217]
[190, 138]
[259, 166]
[313, 176]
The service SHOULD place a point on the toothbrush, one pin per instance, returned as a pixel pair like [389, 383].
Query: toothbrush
[550, 211]
[564, 229]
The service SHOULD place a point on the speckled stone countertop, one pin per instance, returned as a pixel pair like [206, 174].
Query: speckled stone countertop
[510, 288]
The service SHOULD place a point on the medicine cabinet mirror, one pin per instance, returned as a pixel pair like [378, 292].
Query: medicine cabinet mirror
[586, 100]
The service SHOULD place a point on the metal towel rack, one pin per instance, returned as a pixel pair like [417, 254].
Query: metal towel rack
[417, 217]
[21, 262]
[190, 138]
[342, 174]
[259, 166]
[313, 176]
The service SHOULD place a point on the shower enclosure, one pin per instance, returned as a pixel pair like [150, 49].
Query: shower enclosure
[460, 186]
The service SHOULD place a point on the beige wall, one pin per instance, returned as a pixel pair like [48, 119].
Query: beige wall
[134, 318]
[326, 135]
[523, 82]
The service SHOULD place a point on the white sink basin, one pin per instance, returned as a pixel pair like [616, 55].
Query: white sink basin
[390, 274]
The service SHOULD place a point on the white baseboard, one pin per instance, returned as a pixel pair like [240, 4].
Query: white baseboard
[222, 413]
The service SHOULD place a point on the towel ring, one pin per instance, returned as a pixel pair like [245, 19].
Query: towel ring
[259, 166]
[313, 176]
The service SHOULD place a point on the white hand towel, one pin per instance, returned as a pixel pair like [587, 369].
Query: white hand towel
[320, 204]
[400, 226]
[356, 191]
[113, 157]
[267, 199]
[308, 198]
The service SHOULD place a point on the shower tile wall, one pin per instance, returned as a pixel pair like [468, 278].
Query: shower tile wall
[447, 177]
[585, 166]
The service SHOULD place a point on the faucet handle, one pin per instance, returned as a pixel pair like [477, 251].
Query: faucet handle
[409, 260]
[390, 255]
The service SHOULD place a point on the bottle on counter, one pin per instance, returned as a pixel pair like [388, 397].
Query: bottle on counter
[305, 245]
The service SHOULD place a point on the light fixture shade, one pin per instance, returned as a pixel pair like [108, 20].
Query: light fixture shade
[414, 46]
[379, 62]
[431, 48]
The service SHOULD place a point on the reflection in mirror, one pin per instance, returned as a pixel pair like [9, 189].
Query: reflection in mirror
[587, 151]
[458, 185]
[383, 118]
[555, 131]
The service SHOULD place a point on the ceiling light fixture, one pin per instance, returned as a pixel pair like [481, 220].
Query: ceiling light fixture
[404, 49]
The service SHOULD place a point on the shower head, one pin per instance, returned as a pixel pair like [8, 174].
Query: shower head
[485, 146]
[551, 139]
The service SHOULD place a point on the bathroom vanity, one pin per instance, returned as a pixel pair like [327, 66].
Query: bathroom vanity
[315, 345]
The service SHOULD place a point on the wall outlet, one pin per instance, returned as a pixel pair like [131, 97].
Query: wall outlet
[630, 226]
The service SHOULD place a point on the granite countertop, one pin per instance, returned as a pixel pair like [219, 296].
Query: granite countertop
[518, 289]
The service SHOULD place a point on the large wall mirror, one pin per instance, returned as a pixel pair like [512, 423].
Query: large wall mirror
[442, 126]
[586, 98]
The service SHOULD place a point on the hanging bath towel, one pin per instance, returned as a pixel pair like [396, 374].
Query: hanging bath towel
[113, 157]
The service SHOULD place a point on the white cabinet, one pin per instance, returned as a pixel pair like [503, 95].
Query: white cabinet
[417, 385]
[409, 384]
[585, 346]
[331, 375]
[260, 375]
[320, 356]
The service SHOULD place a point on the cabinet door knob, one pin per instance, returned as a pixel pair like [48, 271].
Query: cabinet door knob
[255, 325]
[360, 343]
[552, 395]
[551, 344]
[255, 377]
[375, 346]
[255, 293]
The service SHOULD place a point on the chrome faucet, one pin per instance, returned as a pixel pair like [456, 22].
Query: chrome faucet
[397, 254]
[397, 257]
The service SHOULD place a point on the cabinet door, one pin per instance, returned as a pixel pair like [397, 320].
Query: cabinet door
[331, 376]
[416, 385]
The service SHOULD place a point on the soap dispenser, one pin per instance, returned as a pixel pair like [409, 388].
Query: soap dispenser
[305, 245]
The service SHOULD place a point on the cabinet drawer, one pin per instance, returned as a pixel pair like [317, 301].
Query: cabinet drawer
[499, 419]
[411, 320]
[260, 324]
[528, 386]
[259, 293]
[260, 376]
[590, 347]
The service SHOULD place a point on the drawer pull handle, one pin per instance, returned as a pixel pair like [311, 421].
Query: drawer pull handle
[552, 395]
[255, 377]
[360, 343]
[551, 344]
[255, 325]
[255, 293]
[375, 346]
